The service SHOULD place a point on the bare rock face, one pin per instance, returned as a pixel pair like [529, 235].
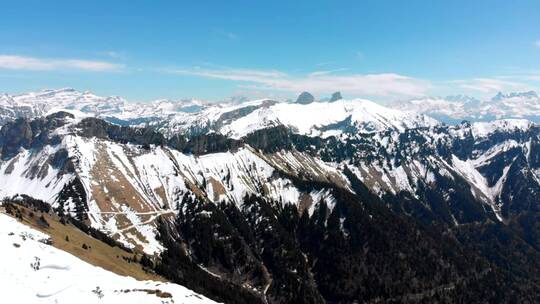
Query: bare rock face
[305, 98]
[336, 96]
[26, 133]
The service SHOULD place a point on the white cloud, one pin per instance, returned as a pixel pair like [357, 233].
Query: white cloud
[537, 43]
[326, 72]
[14, 62]
[382, 85]
[492, 85]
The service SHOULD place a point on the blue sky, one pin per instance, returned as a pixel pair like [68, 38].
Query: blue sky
[382, 50]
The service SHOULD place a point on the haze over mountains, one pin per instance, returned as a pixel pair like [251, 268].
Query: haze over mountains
[264, 201]
[454, 109]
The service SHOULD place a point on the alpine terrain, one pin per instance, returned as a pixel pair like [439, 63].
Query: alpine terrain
[265, 201]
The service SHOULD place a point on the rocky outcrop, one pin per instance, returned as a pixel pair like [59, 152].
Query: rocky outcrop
[305, 98]
[94, 127]
[30, 134]
[336, 96]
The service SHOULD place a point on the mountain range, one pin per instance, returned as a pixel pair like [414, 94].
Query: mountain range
[265, 201]
[454, 109]
[449, 109]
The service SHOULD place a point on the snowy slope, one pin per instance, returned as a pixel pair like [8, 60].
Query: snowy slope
[16, 177]
[479, 154]
[483, 129]
[318, 118]
[63, 278]
[314, 119]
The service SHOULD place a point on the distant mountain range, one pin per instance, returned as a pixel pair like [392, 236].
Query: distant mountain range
[35, 104]
[231, 118]
[454, 109]
[450, 109]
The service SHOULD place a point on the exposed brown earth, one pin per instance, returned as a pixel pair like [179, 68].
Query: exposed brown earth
[218, 188]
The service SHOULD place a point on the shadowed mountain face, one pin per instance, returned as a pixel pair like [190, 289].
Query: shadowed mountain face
[364, 204]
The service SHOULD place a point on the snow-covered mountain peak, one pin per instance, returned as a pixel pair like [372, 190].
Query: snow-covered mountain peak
[315, 118]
